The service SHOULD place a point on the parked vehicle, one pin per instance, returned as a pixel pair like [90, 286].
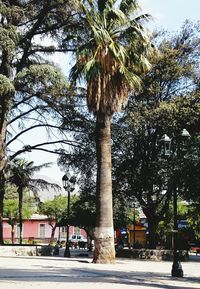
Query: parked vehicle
[195, 248]
[78, 241]
[77, 238]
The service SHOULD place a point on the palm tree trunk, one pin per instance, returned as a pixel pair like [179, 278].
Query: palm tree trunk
[20, 192]
[104, 232]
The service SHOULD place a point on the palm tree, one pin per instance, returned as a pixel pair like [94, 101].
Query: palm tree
[110, 60]
[21, 175]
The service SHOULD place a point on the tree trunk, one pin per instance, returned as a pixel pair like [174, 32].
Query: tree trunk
[104, 251]
[5, 104]
[12, 233]
[152, 236]
[1, 217]
[52, 234]
[90, 237]
[20, 192]
[3, 163]
[2, 192]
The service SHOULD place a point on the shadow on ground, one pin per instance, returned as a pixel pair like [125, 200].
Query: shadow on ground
[49, 273]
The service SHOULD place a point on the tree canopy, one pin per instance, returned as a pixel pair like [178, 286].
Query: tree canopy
[167, 103]
[54, 210]
[34, 93]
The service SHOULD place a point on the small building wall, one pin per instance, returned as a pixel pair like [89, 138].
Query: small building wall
[6, 230]
[31, 230]
[140, 234]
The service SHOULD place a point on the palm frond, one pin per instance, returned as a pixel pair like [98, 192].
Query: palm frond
[44, 185]
[76, 72]
[115, 54]
[132, 78]
[144, 17]
[118, 51]
[38, 168]
[129, 6]
[101, 5]
[117, 14]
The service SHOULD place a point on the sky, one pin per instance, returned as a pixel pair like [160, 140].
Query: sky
[167, 14]
[170, 14]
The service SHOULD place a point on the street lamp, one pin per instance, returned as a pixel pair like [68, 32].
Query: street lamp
[177, 270]
[68, 184]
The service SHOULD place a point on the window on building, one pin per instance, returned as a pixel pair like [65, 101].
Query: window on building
[42, 231]
[63, 232]
[18, 231]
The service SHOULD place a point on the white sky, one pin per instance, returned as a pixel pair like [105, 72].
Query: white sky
[170, 14]
[167, 14]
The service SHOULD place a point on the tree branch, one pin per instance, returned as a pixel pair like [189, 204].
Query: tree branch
[29, 148]
[26, 113]
[32, 127]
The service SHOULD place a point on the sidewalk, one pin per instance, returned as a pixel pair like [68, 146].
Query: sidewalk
[74, 273]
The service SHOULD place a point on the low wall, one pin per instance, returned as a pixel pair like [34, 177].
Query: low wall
[13, 250]
[145, 254]
[151, 254]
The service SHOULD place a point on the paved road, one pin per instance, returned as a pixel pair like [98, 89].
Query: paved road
[74, 273]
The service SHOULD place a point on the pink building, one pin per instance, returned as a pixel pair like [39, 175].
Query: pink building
[38, 228]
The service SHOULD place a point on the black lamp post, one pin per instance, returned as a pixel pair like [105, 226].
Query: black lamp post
[68, 184]
[177, 270]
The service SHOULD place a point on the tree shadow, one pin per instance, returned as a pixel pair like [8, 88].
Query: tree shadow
[49, 273]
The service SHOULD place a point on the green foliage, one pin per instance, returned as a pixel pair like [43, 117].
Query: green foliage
[34, 81]
[186, 211]
[166, 116]
[43, 79]
[11, 207]
[83, 214]
[189, 172]
[168, 102]
[54, 209]
[21, 173]
[6, 85]
[30, 85]
[113, 53]
[140, 170]
[193, 219]
[123, 213]
[11, 210]
[8, 39]
[175, 69]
